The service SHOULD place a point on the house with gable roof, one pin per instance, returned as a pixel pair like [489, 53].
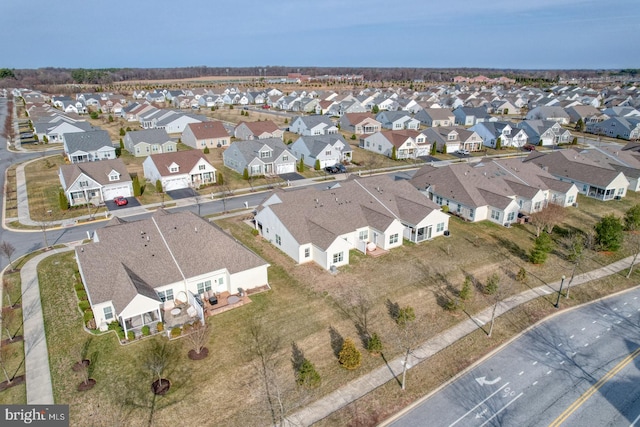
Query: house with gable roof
[206, 134]
[95, 182]
[508, 133]
[159, 263]
[454, 138]
[260, 157]
[313, 125]
[469, 116]
[88, 146]
[375, 214]
[182, 169]
[257, 130]
[434, 117]
[407, 143]
[145, 142]
[547, 132]
[360, 123]
[328, 150]
[397, 120]
[555, 113]
[592, 178]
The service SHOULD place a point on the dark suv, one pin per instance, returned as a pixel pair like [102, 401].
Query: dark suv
[337, 168]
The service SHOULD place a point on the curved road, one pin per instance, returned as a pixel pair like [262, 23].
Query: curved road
[580, 368]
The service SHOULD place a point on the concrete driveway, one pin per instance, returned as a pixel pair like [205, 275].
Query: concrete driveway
[291, 176]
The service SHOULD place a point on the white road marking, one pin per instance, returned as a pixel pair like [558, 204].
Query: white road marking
[502, 409]
[628, 315]
[594, 321]
[583, 329]
[618, 322]
[571, 337]
[521, 372]
[624, 303]
[476, 407]
[548, 372]
[586, 344]
[547, 353]
[636, 420]
[597, 336]
[535, 382]
[560, 345]
[535, 363]
[562, 362]
[605, 315]
[615, 309]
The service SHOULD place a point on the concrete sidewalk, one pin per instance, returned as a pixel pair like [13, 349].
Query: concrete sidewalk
[38, 374]
[393, 369]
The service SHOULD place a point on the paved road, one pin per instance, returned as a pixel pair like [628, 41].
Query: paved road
[580, 368]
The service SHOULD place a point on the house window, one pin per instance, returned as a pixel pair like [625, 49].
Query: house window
[220, 280]
[154, 148]
[108, 313]
[537, 206]
[204, 286]
[620, 191]
[451, 137]
[379, 147]
[439, 200]
[338, 257]
[368, 144]
[265, 154]
[495, 215]
[285, 158]
[440, 227]
[173, 169]
[278, 240]
[166, 295]
[255, 170]
[327, 153]
[511, 216]
[202, 167]
[114, 177]
[363, 235]
[83, 183]
[471, 213]
[585, 188]
[307, 252]
[393, 239]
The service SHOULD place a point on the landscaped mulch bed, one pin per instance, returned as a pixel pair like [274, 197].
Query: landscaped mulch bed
[20, 379]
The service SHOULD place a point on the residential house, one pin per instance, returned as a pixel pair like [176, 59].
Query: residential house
[158, 263]
[360, 123]
[617, 127]
[453, 138]
[142, 143]
[312, 125]
[260, 157]
[257, 130]
[506, 132]
[88, 146]
[434, 117]
[586, 113]
[206, 134]
[545, 132]
[95, 182]
[493, 191]
[625, 160]
[397, 120]
[593, 179]
[52, 128]
[555, 113]
[403, 144]
[469, 116]
[326, 150]
[372, 214]
[179, 170]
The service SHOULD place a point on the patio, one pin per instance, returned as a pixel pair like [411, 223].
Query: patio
[226, 301]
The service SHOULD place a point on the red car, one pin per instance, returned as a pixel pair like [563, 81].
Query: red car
[529, 147]
[120, 201]
[266, 107]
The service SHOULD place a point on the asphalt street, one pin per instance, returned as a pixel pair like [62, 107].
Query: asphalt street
[580, 368]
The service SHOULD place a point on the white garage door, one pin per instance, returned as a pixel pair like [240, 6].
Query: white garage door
[170, 184]
[285, 168]
[110, 193]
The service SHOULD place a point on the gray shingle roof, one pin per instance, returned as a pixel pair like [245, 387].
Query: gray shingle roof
[87, 141]
[98, 171]
[150, 136]
[135, 257]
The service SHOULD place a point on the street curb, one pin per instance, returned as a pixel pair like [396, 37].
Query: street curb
[493, 352]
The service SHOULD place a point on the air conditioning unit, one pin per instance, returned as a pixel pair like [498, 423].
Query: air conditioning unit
[618, 197]
[575, 205]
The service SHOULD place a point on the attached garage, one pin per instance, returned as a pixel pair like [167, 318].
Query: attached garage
[110, 193]
[285, 168]
[175, 183]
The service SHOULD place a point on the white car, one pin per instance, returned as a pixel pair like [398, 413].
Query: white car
[463, 152]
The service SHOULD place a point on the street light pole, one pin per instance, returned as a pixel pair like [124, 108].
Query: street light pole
[559, 292]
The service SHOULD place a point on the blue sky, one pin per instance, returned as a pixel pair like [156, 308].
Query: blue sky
[522, 34]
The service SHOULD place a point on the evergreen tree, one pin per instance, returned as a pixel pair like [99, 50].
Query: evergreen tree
[542, 245]
[492, 284]
[122, 132]
[220, 178]
[374, 344]
[137, 190]
[632, 218]
[349, 357]
[316, 166]
[499, 144]
[301, 164]
[206, 150]
[434, 149]
[158, 186]
[375, 109]
[62, 200]
[609, 233]
[245, 174]
[467, 291]
[307, 375]
[394, 153]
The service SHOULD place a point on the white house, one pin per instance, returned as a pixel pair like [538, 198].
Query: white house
[367, 214]
[326, 149]
[182, 169]
[313, 125]
[95, 182]
[136, 272]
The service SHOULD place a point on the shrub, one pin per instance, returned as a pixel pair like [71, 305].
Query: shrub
[206, 150]
[255, 231]
[522, 275]
[445, 208]
[82, 295]
[63, 203]
[245, 174]
[220, 179]
[541, 248]
[307, 375]
[405, 316]
[609, 233]
[131, 335]
[467, 291]
[88, 315]
[453, 304]
[160, 326]
[78, 286]
[492, 284]
[84, 305]
[316, 166]
[374, 344]
[349, 357]
[176, 332]
[632, 218]
[146, 330]
[353, 137]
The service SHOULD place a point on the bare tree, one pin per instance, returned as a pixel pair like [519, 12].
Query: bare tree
[634, 240]
[8, 319]
[576, 246]
[8, 286]
[547, 218]
[263, 346]
[225, 193]
[198, 338]
[410, 333]
[5, 355]
[7, 249]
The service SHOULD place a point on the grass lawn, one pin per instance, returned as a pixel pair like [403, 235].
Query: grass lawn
[310, 308]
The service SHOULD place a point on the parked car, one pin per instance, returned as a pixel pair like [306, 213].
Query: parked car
[337, 168]
[266, 107]
[120, 201]
[529, 147]
[463, 152]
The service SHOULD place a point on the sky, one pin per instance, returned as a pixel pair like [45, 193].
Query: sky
[518, 34]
